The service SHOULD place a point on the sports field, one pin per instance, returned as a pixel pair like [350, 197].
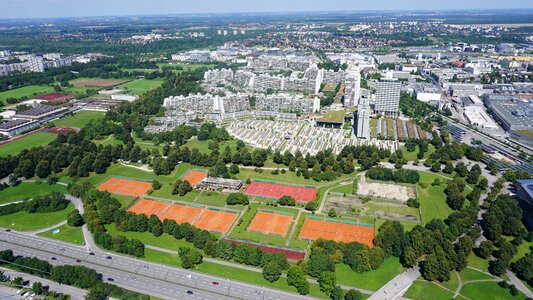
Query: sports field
[80, 119]
[217, 221]
[125, 187]
[27, 142]
[86, 82]
[201, 217]
[276, 191]
[270, 223]
[195, 177]
[140, 86]
[148, 207]
[29, 91]
[336, 231]
[27, 190]
[181, 214]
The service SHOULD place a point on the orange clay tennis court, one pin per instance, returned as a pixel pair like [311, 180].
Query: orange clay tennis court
[270, 223]
[195, 177]
[126, 187]
[336, 231]
[148, 207]
[214, 220]
[181, 214]
[276, 191]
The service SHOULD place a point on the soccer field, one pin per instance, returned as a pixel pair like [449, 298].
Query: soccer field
[79, 120]
[140, 86]
[27, 142]
[29, 91]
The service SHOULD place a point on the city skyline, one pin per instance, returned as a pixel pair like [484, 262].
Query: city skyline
[77, 8]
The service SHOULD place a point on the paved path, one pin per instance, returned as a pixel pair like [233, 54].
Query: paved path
[293, 229]
[397, 286]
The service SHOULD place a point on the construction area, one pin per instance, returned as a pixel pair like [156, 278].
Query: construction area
[385, 190]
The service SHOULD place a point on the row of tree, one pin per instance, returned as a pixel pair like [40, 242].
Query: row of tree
[40, 204]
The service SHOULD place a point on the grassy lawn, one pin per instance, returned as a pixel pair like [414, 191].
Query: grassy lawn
[79, 119]
[522, 250]
[166, 192]
[295, 242]
[478, 263]
[120, 170]
[26, 190]
[29, 91]
[203, 146]
[212, 199]
[27, 142]
[140, 86]
[469, 274]
[125, 201]
[343, 189]
[487, 291]
[165, 241]
[406, 225]
[412, 156]
[288, 177]
[66, 233]
[422, 289]
[371, 280]
[432, 199]
[185, 67]
[241, 233]
[24, 221]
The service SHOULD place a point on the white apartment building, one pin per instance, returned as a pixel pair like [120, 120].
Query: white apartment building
[388, 97]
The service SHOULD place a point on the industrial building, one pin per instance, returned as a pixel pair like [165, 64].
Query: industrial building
[41, 113]
[477, 116]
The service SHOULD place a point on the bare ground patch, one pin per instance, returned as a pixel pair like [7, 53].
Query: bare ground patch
[385, 190]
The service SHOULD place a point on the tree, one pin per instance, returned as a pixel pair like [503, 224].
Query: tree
[327, 282]
[391, 238]
[75, 219]
[271, 271]
[353, 294]
[435, 167]
[337, 293]
[461, 169]
[436, 266]
[190, 257]
[161, 166]
[448, 169]
[287, 201]
[332, 213]
[296, 278]
[237, 199]
[156, 185]
[43, 169]
[409, 257]
[485, 249]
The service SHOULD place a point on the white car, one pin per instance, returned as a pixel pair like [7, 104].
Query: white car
[19, 291]
[189, 276]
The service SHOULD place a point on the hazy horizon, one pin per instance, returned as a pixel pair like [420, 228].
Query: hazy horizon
[95, 8]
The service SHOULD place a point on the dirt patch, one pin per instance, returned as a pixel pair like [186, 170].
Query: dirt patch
[385, 190]
[98, 82]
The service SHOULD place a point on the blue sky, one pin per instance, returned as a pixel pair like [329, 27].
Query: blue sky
[66, 8]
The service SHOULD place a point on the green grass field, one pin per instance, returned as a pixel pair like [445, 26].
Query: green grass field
[140, 86]
[211, 199]
[343, 189]
[29, 91]
[125, 201]
[422, 289]
[66, 233]
[432, 199]
[79, 119]
[26, 190]
[488, 291]
[202, 146]
[371, 280]
[24, 221]
[27, 142]
[469, 274]
[164, 241]
[477, 262]
[240, 232]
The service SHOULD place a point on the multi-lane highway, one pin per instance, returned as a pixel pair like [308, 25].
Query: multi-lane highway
[138, 275]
